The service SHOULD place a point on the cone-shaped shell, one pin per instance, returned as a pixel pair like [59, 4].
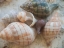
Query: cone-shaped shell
[39, 8]
[52, 28]
[18, 33]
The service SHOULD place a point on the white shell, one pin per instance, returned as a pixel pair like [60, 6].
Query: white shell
[52, 28]
[18, 33]
[24, 16]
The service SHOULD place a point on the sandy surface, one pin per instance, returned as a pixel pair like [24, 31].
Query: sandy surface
[39, 42]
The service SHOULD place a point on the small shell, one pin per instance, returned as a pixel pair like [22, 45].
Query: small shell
[18, 33]
[52, 28]
[24, 16]
[39, 8]
[39, 25]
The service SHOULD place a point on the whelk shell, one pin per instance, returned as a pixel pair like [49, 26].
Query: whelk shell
[39, 8]
[18, 33]
[52, 28]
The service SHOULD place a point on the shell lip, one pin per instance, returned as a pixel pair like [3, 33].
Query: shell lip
[32, 18]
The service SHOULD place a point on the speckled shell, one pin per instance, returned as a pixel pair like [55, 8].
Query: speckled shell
[52, 28]
[18, 33]
[39, 8]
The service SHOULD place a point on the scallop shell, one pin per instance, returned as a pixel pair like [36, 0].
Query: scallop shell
[18, 33]
[52, 28]
[39, 8]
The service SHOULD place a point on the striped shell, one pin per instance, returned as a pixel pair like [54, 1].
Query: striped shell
[18, 33]
[52, 28]
[39, 8]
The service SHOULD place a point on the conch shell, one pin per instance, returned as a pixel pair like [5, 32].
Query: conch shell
[18, 33]
[52, 28]
[39, 8]
[24, 16]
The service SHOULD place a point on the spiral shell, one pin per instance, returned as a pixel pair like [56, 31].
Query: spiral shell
[24, 16]
[52, 28]
[39, 8]
[18, 33]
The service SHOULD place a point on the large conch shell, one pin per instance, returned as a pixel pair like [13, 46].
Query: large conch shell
[24, 16]
[18, 33]
[52, 28]
[39, 8]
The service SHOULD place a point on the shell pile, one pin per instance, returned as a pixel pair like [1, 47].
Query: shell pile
[17, 31]
[52, 28]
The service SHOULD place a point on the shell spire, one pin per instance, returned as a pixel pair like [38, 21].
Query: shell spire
[52, 28]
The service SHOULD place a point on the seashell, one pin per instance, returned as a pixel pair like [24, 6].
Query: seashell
[39, 25]
[24, 16]
[18, 33]
[39, 8]
[52, 28]
[8, 18]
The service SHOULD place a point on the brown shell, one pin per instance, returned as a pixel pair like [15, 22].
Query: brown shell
[18, 33]
[52, 28]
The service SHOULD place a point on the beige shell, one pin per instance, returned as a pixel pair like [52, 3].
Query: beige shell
[52, 28]
[18, 33]
[24, 16]
[8, 18]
